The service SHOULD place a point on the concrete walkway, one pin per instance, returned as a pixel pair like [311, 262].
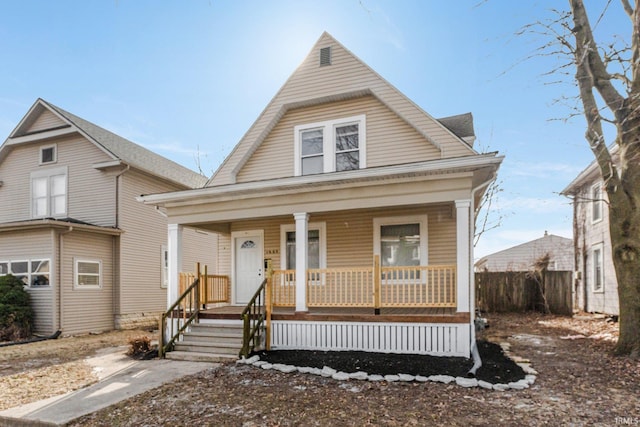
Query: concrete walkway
[119, 378]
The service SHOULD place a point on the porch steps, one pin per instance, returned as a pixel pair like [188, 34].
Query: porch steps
[211, 342]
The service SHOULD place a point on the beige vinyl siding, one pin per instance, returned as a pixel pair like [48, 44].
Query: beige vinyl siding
[36, 244]
[389, 139]
[46, 120]
[87, 310]
[347, 74]
[90, 192]
[199, 246]
[224, 254]
[145, 232]
[350, 234]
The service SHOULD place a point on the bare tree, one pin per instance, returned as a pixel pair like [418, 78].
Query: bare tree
[608, 80]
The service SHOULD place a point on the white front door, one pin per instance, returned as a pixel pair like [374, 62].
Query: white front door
[248, 260]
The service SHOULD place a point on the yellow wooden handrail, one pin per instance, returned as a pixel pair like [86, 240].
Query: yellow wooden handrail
[376, 287]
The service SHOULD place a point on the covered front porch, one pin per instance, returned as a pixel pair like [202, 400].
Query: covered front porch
[378, 260]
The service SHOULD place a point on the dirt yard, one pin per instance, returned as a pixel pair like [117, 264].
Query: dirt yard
[579, 383]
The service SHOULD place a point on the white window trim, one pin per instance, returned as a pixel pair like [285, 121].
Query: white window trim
[328, 142]
[164, 268]
[322, 229]
[598, 201]
[55, 154]
[78, 286]
[48, 173]
[29, 273]
[594, 248]
[396, 220]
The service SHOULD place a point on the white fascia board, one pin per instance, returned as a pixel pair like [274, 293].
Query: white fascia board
[39, 136]
[459, 164]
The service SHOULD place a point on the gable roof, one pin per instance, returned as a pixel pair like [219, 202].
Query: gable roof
[522, 257]
[118, 148]
[591, 174]
[313, 84]
[461, 125]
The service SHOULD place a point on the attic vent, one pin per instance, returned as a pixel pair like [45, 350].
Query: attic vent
[325, 56]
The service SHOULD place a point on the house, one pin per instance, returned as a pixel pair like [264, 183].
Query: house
[596, 283]
[92, 258]
[524, 257]
[362, 204]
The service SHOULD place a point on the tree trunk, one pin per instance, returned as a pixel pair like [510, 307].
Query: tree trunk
[621, 178]
[624, 225]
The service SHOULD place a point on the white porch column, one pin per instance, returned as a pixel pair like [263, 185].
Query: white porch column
[302, 236]
[463, 261]
[174, 248]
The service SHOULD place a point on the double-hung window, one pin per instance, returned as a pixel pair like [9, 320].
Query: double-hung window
[596, 203]
[87, 274]
[316, 249]
[598, 269]
[49, 193]
[400, 242]
[330, 146]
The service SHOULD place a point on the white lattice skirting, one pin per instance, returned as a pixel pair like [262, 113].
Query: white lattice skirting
[440, 339]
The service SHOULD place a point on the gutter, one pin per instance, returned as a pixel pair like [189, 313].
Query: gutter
[477, 361]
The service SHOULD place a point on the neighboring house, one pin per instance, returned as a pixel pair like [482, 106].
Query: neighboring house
[362, 202]
[524, 257]
[596, 283]
[91, 257]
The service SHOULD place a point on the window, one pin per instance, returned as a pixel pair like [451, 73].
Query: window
[34, 273]
[400, 245]
[49, 193]
[596, 203]
[347, 152]
[48, 154]
[598, 271]
[164, 279]
[312, 155]
[88, 274]
[331, 146]
[316, 250]
[401, 241]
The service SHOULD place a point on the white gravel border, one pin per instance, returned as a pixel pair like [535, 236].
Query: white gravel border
[327, 372]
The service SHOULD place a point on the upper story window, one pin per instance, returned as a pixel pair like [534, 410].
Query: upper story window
[49, 193]
[331, 146]
[596, 203]
[48, 154]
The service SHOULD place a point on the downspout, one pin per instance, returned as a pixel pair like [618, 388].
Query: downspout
[115, 269]
[477, 361]
[61, 275]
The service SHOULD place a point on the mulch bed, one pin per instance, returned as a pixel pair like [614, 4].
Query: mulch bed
[496, 367]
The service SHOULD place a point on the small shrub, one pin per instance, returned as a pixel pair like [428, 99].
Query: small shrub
[139, 346]
[16, 314]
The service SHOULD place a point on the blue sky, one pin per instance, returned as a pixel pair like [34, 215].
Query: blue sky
[186, 79]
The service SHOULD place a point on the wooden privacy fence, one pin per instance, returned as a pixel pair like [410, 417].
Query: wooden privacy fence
[519, 291]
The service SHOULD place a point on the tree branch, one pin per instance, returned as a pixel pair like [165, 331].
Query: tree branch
[589, 60]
